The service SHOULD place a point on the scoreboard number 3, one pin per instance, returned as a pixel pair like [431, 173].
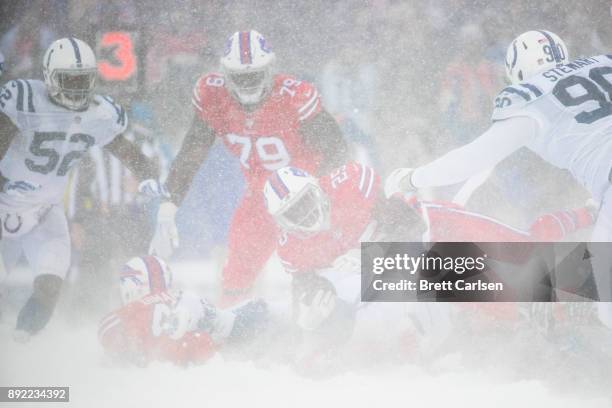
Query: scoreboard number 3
[123, 62]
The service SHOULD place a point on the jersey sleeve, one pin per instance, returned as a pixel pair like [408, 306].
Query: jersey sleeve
[290, 255]
[114, 338]
[16, 100]
[558, 225]
[306, 99]
[483, 153]
[199, 94]
[354, 190]
[207, 97]
[354, 182]
[292, 260]
[514, 100]
[115, 118]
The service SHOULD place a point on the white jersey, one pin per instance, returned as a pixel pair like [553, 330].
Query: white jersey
[573, 107]
[51, 139]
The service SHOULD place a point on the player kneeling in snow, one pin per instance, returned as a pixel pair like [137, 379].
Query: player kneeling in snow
[323, 222]
[157, 323]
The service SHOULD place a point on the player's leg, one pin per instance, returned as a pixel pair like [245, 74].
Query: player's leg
[602, 257]
[11, 252]
[47, 250]
[252, 239]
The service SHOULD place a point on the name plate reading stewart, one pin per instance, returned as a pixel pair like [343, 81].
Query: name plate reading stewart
[483, 272]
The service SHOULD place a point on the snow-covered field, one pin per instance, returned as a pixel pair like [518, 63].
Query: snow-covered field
[68, 356]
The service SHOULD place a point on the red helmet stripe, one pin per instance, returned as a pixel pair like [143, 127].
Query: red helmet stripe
[245, 47]
[157, 282]
[278, 186]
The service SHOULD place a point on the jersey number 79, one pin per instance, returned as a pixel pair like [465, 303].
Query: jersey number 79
[270, 150]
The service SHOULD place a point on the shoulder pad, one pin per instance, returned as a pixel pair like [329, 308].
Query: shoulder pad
[205, 87]
[114, 112]
[512, 99]
[302, 95]
[108, 326]
[17, 96]
[356, 177]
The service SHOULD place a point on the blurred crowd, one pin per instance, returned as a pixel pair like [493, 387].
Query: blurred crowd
[407, 80]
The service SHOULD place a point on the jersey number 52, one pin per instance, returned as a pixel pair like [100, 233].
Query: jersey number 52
[42, 147]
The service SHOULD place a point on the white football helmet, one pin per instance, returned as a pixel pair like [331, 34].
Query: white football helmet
[70, 71]
[533, 52]
[247, 67]
[143, 276]
[296, 201]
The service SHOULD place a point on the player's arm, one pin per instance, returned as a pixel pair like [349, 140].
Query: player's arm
[132, 157]
[193, 152]
[195, 148]
[558, 225]
[399, 218]
[323, 134]
[8, 131]
[498, 142]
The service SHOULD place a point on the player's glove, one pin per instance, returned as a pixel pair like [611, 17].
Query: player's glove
[153, 188]
[173, 322]
[399, 182]
[19, 188]
[312, 314]
[166, 239]
[592, 207]
[348, 263]
[316, 298]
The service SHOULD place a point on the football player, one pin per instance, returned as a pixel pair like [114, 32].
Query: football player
[157, 323]
[45, 128]
[268, 121]
[323, 221]
[562, 111]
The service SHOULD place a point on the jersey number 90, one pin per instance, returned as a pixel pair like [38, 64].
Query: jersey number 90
[596, 88]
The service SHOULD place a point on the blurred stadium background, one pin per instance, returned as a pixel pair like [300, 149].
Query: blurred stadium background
[408, 81]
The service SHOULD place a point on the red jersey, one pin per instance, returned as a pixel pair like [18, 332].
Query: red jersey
[267, 138]
[136, 332]
[449, 222]
[353, 190]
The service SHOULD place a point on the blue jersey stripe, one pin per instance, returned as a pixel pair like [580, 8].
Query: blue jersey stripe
[524, 95]
[30, 97]
[19, 95]
[533, 89]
